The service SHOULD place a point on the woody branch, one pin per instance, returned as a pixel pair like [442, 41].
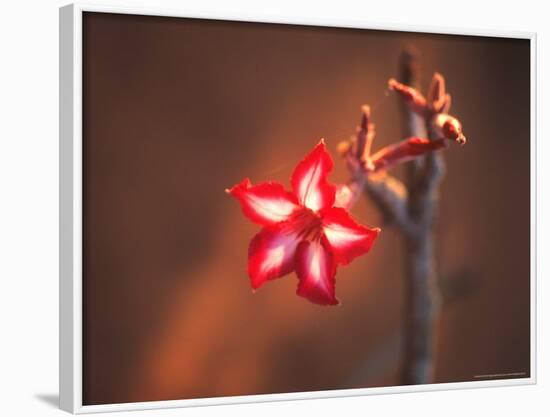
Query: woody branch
[411, 206]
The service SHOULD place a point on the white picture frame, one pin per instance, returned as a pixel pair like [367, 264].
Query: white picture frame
[70, 284]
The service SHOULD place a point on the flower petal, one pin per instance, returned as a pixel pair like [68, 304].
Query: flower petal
[309, 180]
[316, 269]
[346, 238]
[266, 203]
[271, 253]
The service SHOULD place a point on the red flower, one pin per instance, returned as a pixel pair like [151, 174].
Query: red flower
[302, 230]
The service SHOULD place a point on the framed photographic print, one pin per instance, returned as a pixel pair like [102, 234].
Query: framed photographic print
[266, 210]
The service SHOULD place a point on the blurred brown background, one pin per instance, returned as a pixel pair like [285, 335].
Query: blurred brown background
[176, 110]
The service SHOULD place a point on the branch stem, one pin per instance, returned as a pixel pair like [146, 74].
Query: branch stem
[421, 292]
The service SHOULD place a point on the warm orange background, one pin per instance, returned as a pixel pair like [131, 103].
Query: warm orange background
[176, 110]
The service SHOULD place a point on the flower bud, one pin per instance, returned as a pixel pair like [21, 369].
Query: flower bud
[412, 97]
[448, 127]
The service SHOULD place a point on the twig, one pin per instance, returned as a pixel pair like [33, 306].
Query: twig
[387, 192]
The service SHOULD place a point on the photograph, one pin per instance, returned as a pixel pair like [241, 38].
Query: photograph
[274, 208]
